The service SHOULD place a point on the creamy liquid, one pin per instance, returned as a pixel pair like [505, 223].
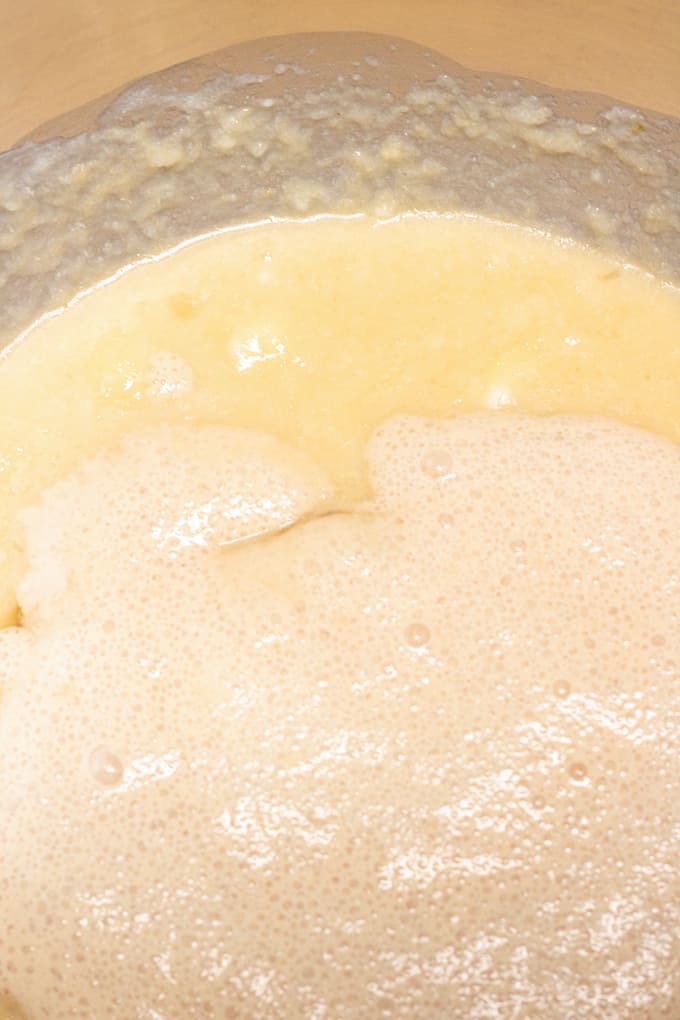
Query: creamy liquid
[322, 706]
[317, 335]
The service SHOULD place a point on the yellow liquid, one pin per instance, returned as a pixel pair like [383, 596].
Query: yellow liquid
[317, 332]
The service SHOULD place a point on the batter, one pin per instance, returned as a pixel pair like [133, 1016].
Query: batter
[331, 698]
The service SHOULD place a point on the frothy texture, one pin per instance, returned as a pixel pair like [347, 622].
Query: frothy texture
[273, 758]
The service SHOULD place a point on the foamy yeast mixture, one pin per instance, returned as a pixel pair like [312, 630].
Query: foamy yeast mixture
[329, 699]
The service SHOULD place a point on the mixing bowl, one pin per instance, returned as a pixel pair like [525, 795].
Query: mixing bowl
[308, 125]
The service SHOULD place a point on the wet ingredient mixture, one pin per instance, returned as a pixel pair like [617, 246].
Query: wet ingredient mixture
[340, 668]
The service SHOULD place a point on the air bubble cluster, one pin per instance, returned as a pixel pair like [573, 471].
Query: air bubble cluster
[264, 760]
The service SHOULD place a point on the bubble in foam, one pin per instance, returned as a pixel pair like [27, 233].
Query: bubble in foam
[417, 635]
[437, 463]
[105, 766]
[578, 772]
[260, 711]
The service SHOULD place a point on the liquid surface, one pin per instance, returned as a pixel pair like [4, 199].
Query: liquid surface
[321, 712]
[424, 316]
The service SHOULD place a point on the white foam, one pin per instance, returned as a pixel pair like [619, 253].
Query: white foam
[415, 761]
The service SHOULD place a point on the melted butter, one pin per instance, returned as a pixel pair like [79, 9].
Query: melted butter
[317, 335]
